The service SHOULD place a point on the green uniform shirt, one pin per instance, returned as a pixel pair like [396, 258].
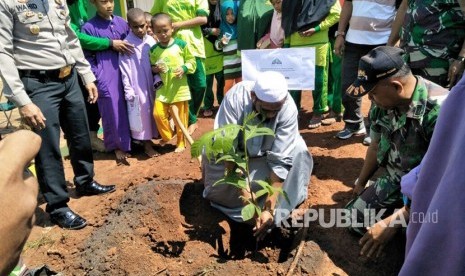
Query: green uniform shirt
[404, 137]
[319, 37]
[253, 21]
[175, 55]
[78, 15]
[213, 60]
[182, 10]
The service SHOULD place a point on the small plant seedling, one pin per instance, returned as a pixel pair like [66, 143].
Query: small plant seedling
[221, 145]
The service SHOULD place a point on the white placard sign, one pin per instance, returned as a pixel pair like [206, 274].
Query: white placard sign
[296, 64]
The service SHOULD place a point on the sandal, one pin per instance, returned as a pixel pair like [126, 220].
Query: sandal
[331, 119]
[207, 113]
[315, 122]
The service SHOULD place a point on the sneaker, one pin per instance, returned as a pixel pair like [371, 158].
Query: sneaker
[367, 141]
[346, 133]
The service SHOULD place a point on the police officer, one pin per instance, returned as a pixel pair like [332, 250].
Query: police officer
[36, 39]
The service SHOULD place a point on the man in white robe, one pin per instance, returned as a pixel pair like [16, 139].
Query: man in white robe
[283, 159]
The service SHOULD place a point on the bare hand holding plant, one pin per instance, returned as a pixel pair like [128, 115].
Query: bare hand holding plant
[221, 145]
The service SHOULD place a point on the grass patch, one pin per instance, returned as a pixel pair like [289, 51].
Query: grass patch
[44, 240]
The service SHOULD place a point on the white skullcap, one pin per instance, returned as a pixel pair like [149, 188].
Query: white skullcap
[270, 87]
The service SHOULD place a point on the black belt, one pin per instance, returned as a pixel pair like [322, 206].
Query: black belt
[55, 74]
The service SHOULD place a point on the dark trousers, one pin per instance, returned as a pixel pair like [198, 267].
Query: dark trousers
[209, 97]
[319, 94]
[62, 104]
[93, 114]
[352, 117]
[197, 85]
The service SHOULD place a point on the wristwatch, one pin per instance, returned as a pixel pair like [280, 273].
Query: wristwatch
[460, 59]
[338, 33]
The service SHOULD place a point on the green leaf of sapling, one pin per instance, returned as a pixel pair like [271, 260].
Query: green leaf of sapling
[248, 212]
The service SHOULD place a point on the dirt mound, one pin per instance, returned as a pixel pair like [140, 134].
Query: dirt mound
[157, 222]
[146, 228]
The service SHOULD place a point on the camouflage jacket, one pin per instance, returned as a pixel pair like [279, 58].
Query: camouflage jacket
[434, 27]
[404, 136]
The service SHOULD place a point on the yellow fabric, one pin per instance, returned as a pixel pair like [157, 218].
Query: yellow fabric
[161, 115]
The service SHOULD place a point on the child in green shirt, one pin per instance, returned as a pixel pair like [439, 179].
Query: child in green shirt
[188, 16]
[172, 59]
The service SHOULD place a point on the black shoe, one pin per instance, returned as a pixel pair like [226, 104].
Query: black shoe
[94, 188]
[68, 219]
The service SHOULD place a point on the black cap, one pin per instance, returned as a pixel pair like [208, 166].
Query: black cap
[380, 63]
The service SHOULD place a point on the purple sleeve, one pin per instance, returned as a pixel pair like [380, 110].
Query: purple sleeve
[409, 181]
[125, 69]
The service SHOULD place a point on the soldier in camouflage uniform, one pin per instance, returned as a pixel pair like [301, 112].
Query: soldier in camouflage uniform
[403, 120]
[433, 37]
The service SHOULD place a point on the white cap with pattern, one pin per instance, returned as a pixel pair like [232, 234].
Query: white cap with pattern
[270, 87]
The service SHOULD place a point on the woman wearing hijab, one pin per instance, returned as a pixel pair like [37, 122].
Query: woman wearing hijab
[306, 24]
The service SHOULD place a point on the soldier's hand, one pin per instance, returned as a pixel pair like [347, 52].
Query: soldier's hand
[123, 47]
[33, 116]
[358, 188]
[93, 92]
[18, 195]
[376, 238]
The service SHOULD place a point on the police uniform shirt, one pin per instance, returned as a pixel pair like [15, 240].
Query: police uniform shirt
[36, 35]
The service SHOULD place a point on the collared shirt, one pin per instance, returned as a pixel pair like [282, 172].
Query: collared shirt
[433, 27]
[36, 35]
[404, 137]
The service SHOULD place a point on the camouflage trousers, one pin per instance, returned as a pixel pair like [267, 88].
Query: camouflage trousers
[379, 200]
[430, 68]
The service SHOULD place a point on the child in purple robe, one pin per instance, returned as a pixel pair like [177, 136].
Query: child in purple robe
[105, 66]
[136, 72]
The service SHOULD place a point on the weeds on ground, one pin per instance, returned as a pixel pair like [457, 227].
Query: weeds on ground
[45, 239]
